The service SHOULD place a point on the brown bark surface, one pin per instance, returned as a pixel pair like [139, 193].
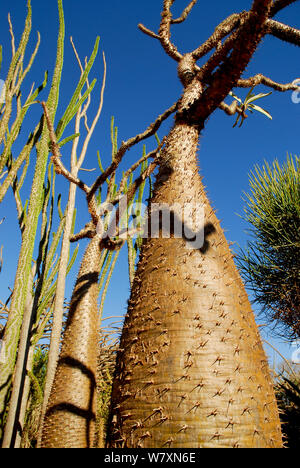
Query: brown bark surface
[191, 369]
[70, 416]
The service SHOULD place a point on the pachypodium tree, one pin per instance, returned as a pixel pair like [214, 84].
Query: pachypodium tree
[191, 369]
[70, 415]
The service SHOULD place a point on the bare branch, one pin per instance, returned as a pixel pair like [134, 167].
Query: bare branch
[148, 31]
[76, 55]
[280, 5]
[283, 32]
[56, 156]
[232, 109]
[261, 79]
[88, 231]
[248, 36]
[221, 31]
[185, 13]
[97, 116]
[165, 33]
[218, 56]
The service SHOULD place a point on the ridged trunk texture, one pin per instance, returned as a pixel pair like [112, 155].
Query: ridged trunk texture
[70, 417]
[191, 370]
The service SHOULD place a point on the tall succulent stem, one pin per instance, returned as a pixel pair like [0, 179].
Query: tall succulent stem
[13, 326]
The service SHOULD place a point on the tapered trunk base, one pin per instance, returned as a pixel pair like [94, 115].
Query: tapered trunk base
[71, 412]
[191, 370]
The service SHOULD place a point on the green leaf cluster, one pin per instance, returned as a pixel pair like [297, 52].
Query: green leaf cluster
[270, 264]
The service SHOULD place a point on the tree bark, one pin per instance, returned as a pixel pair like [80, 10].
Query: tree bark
[191, 370]
[70, 416]
[58, 310]
[21, 384]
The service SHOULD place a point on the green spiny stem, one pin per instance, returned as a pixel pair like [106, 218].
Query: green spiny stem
[107, 282]
[13, 71]
[13, 326]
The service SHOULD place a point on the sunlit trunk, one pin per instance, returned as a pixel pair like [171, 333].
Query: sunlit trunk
[191, 370]
[71, 412]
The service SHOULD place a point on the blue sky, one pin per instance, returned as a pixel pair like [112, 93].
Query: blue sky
[141, 83]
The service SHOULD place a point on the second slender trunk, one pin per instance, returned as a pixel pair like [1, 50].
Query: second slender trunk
[70, 416]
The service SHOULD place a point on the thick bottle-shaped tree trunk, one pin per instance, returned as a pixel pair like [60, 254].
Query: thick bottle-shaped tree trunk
[191, 370]
[70, 416]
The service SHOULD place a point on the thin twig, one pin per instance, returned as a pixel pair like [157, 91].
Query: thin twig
[13, 47]
[165, 32]
[283, 32]
[56, 156]
[261, 79]
[221, 31]
[148, 31]
[279, 5]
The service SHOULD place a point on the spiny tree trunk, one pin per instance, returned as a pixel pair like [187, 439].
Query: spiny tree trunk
[71, 405]
[191, 370]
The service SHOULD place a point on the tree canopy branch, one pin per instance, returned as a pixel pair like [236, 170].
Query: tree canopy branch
[148, 31]
[244, 44]
[279, 5]
[165, 32]
[261, 79]
[232, 108]
[284, 32]
[185, 13]
[221, 31]
[56, 156]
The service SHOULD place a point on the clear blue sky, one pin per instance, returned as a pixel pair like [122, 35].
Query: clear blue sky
[141, 83]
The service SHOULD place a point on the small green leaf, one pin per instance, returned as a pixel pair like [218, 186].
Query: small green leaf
[258, 96]
[261, 110]
[68, 139]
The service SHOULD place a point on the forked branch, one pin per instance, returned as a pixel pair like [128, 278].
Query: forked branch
[261, 79]
[164, 33]
[96, 222]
